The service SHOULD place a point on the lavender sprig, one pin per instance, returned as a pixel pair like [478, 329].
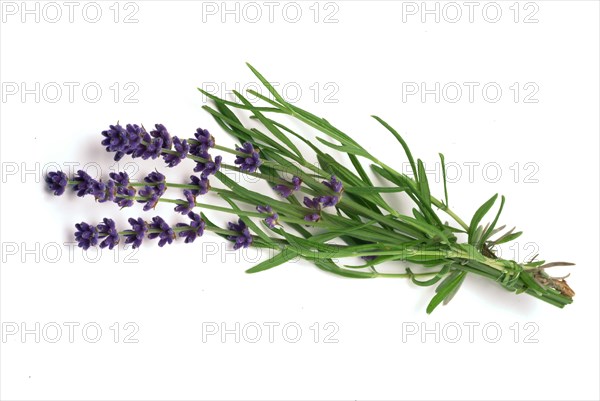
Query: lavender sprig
[342, 203]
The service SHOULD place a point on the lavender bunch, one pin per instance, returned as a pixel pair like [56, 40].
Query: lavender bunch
[322, 212]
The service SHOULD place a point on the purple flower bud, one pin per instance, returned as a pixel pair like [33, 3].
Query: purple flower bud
[296, 182]
[315, 205]
[162, 133]
[329, 200]
[191, 203]
[109, 232]
[57, 181]
[98, 190]
[200, 150]
[116, 140]
[272, 220]
[108, 194]
[139, 229]
[152, 198]
[264, 209]
[244, 239]
[213, 167]
[196, 228]
[202, 183]
[122, 194]
[84, 183]
[86, 235]
[205, 138]
[121, 178]
[239, 226]
[283, 190]
[182, 148]
[250, 162]
[334, 184]
[122, 140]
[154, 178]
[152, 149]
[134, 138]
[312, 217]
[287, 190]
[166, 233]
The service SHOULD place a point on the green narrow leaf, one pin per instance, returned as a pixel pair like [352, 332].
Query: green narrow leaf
[350, 149]
[508, 237]
[267, 85]
[424, 184]
[271, 127]
[488, 233]
[431, 281]
[444, 177]
[359, 169]
[285, 255]
[454, 290]
[446, 288]
[329, 266]
[479, 214]
[372, 190]
[402, 143]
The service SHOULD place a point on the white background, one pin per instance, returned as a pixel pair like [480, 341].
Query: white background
[368, 56]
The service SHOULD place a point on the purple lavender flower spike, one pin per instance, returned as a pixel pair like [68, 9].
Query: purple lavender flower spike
[182, 148]
[244, 239]
[98, 190]
[158, 183]
[200, 151]
[84, 183]
[122, 193]
[205, 138]
[134, 138]
[86, 235]
[152, 150]
[312, 217]
[251, 161]
[116, 140]
[121, 178]
[166, 234]
[315, 205]
[122, 140]
[57, 182]
[283, 190]
[287, 190]
[239, 226]
[196, 226]
[191, 203]
[213, 167]
[334, 184]
[152, 198]
[296, 182]
[272, 220]
[264, 209]
[139, 229]
[329, 200]
[162, 133]
[108, 194]
[154, 177]
[202, 183]
[110, 234]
